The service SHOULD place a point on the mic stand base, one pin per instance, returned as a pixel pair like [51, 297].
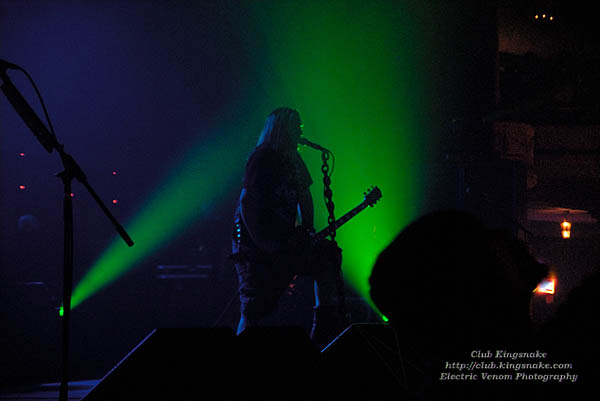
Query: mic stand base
[67, 178]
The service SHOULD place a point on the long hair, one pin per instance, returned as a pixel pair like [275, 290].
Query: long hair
[281, 130]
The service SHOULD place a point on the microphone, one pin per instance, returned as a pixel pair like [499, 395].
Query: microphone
[306, 142]
[5, 65]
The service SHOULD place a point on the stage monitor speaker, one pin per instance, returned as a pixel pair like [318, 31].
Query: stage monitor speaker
[278, 363]
[364, 362]
[174, 363]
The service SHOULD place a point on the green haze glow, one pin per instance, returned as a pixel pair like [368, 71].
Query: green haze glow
[352, 69]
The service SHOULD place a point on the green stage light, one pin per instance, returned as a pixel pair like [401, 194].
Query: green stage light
[187, 194]
[352, 69]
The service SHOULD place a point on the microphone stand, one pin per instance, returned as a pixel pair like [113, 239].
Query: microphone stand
[71, 170]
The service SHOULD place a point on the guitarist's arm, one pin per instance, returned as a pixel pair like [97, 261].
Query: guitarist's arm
[306, 209]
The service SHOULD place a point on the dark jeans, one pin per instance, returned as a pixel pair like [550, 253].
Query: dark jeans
[260, 287]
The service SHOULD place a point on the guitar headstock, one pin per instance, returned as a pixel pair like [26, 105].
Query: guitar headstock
[372, 196]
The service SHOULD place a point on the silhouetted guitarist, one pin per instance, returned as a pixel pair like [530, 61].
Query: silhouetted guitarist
[273, 223]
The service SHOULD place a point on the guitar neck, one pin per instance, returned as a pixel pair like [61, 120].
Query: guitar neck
[339, 222]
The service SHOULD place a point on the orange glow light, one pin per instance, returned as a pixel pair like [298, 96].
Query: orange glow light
[547, 286]
[566, 229]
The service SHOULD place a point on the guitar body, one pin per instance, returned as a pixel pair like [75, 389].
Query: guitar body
[308, 253]
[314, 253]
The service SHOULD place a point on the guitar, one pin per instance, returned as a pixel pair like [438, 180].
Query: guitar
[302, 260]
[372, 196]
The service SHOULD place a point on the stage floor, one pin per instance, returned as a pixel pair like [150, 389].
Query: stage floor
[48, 391]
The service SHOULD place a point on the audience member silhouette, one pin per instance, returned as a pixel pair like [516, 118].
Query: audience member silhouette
[451, 287]
[571, 337]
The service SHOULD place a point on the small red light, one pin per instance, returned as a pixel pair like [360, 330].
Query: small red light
[114, 201]
[22, 187]
[22, 154]
[114, 172]
[72, 195]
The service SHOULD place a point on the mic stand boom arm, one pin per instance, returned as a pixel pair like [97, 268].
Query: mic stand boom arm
[71, 170]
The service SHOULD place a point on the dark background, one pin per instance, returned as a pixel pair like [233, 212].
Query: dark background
[127, 84]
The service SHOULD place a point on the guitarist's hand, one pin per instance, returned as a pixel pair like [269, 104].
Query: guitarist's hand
[309, 257]
[301, 240]
[326, 255]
